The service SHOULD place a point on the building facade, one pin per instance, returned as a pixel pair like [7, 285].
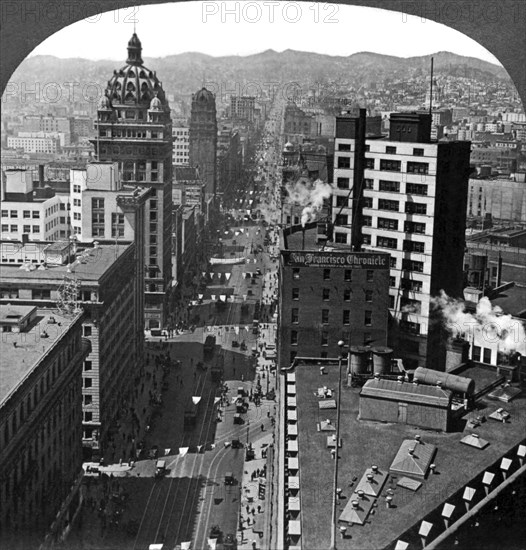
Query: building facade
[329, 295]
[411, 201]
[203, 138]
[40, 423]
[181, 152]
[134, 129]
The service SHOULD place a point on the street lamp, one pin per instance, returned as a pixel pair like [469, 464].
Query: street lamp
[341, 343]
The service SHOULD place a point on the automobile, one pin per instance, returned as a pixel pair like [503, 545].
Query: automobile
[216, 533]
[229, 478]
[230, 542]
[160, 468]
[235, 344]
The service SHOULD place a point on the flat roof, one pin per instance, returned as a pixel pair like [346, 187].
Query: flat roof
[367, 443]
[94, 265]
[512, 300]
[406, 391]
[13, 314]
[16, 362]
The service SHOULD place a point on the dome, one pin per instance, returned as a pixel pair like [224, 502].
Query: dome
[288, 146]
[203, 95]
[134, 84]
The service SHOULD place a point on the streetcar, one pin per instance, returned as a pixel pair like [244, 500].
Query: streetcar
[191, 411]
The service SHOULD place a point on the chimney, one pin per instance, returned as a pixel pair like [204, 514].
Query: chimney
[41, 175]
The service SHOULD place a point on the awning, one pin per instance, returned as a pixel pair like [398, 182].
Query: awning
[291, 377]
[292, 446]
[291, 389]
[294, 482]
[294, 504]
[292, 416]
[294, 527]
[291, 402]
[293, 463]
[292, 429]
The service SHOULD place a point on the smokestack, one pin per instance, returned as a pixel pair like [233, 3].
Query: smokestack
[41, 175]
[303, 240]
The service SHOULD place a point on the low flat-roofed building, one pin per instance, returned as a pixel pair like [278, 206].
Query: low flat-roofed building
[420, 405]
[40, 425]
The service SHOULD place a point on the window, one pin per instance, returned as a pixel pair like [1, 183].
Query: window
[415, 208]
[153, 216]
[366, 239]
[409, 326]
[416, 189]
[97, 204]
[342, 201]
[389, 186]
[36, 214]
[41, 294]
[5, 213]
[418, 152]
[36, 229]
[369, 183]
[412, 286]
[293, 337]
[368, 318]
[326, 274]
[388, 223]
[293, 356]
[117, 225]
[344, 163]
[153, 228]
[14, 214]
[294, 315]
[87, 382]
[476, 355]
[86, 330]
[88, 399]
[27, 214]
[340, 238]
[153, 204]
[346, 316]
[368, 202]
[341, 220]
[413, 265]
[76, 216]
[392, 262]
[369, 276]
[344, 146]
[295, 272]
[390, 165]
[386, 242]
[369, 163]
[88, 416]
[76, 202]
[76, 189]
[392, 282]
[414, 227]
[14, 228]
[27, 228]
[88, 365]
[487, 356]
[5, 227]
[347, 295]
[413, 246]
[390, 150]
[385, 204]
[324, 316]
[153, 239]
[324, 338]
[410, 306]
[417, 167]
[368, 295]
[342, 183]
[295, 293]
[347, 275]
[326, 294]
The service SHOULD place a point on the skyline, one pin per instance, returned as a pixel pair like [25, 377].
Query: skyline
[211, 28]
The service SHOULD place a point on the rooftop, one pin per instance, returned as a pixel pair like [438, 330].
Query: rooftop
[95, 263]
[367, 443]
[21, 352]
[297, 239]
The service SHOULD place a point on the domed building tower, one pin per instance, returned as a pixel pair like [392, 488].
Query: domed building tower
[203, 138]
[134, 128]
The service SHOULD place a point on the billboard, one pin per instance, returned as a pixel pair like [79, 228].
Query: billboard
[353, 260]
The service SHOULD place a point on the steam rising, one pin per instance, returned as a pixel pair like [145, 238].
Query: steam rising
[488, 322]
[310, 196]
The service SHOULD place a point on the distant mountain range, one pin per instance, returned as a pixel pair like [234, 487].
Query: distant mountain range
[185, 73]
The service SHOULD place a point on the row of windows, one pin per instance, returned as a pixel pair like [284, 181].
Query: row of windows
[14, 228]
[326, 294]
[394, 206]
[347, 274]
[367, 321]
[35, 214]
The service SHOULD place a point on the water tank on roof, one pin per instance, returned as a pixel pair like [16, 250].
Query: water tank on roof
[478, 261]
[359, 360]
[382, 360]
[453, 382]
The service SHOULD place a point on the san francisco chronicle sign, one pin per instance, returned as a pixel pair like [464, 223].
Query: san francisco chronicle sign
[357, 260]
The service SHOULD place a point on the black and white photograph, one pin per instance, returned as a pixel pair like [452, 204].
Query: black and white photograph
[263, 275]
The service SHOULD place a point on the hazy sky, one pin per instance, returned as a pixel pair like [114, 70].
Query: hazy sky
[243, 28]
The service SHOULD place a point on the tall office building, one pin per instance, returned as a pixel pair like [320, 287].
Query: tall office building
[410, 201]
[134, 128]
[203, 139]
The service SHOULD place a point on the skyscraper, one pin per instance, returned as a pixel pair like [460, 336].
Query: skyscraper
[203, 138]
[134, 128]
[411, 202]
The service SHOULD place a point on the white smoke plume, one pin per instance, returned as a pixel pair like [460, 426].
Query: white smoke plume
[310, 196]
[488, 321]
